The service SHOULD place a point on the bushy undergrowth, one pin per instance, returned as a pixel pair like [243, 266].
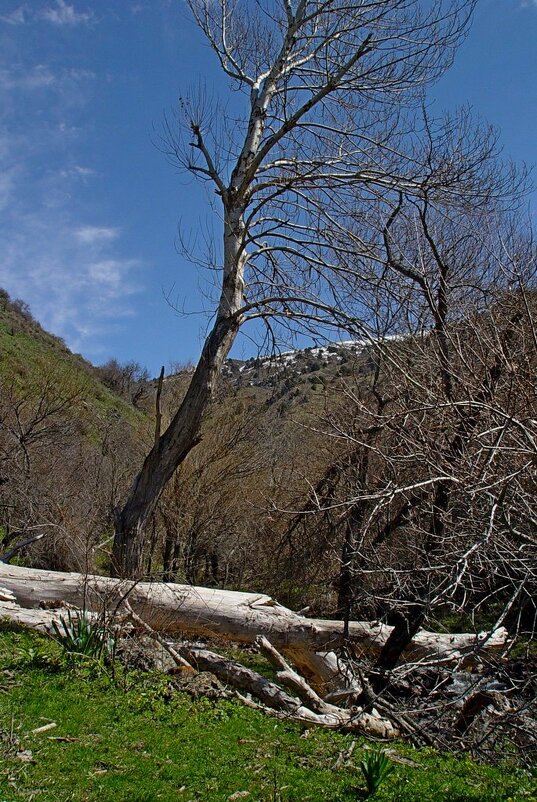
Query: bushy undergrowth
[136, 738]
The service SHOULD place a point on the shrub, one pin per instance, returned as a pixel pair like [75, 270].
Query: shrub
[79, 634]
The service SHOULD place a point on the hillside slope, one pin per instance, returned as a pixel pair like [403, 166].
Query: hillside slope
[31, 357]
[68, 445]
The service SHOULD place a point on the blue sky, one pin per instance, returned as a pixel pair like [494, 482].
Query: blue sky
[89, 207]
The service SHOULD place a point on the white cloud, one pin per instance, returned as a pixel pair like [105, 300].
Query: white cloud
[78, 286]
[17, 17]
[64, 14]
[96, 235]
[80, 74]
[61, 14]
[72, 268]
[38, 109]
[78, 171]
[17, 78]
[84, 172]
[111, 276]
[72, 271]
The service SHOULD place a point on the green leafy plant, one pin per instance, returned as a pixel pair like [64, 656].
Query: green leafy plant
[79, 634]
[375, 768]
[31, 657]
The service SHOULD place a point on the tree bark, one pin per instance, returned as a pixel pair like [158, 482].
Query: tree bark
[168, 452]
[183, 433]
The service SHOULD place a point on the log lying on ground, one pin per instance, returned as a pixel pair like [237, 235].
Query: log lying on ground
[308, 708]
[232, 615]
[40, 620]
[291, 707]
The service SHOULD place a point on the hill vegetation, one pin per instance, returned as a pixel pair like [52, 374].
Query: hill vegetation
[275, 496]
[31, 356]
[67, 443]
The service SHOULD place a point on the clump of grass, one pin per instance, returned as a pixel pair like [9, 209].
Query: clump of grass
[80, 634]
[375, 768]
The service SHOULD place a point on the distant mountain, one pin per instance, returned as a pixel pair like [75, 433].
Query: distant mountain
[329, 360]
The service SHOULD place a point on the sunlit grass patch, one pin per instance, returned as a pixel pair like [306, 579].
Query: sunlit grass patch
[136, 738]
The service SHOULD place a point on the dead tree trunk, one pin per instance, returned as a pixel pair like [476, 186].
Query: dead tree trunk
[171, 448]
[231, 615]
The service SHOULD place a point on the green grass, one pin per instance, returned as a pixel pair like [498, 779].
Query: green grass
[30, 358]
[133, 739]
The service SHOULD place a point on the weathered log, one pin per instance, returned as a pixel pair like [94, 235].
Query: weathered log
[232, 615]
[176, 609]
[315, 711]
[272, 696]
[371, 723]
[40, 620]
[292, 680]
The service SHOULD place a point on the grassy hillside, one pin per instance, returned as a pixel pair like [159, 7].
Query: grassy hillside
[31, 359]
[69, 446]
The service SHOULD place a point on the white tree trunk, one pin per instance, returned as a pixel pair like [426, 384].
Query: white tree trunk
[211, 612]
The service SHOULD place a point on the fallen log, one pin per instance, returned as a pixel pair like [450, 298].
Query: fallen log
[232, 615]
[273, 697]
[40, 620]
[308, 708]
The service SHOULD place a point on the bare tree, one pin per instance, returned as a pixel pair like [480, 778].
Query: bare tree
[130, 380]
[62, 468]
[427, 508]
[319, 123]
